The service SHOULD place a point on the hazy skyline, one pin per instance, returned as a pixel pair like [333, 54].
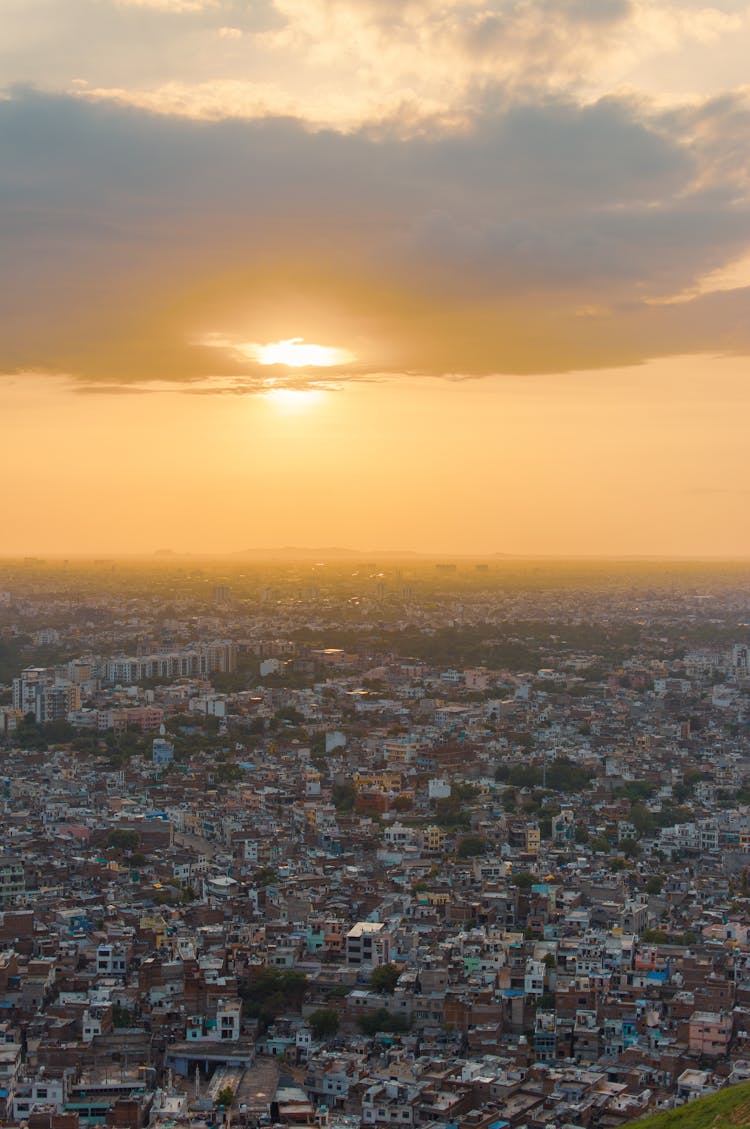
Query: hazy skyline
[448, 277]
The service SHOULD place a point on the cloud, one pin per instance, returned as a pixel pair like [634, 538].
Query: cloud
[175, 7]
[542, 237]
[344, 63]
[215, 100]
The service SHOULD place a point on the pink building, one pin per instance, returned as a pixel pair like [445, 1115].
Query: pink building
[709, 1033]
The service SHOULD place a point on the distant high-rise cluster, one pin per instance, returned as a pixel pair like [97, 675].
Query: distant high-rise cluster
[197, 659]
[54, 693]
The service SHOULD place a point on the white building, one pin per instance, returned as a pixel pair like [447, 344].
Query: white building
[368, 942]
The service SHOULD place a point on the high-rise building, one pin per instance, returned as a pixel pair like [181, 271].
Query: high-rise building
[12, 879]
[39, 692]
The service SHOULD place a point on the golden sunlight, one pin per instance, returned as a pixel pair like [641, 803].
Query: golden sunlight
[295, 352]
[293, 399]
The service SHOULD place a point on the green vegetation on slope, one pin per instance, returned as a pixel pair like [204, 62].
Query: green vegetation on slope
[727, 1109]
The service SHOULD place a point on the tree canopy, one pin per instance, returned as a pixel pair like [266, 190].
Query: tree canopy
[384, 978]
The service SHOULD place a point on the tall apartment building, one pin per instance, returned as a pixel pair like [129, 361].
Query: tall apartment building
[28, 686]
[40, 692]
[12, 879]
[189, 662]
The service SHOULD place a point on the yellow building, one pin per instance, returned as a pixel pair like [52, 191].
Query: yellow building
[434, 839]
[533, 839]
[382, 781]
[157, 925]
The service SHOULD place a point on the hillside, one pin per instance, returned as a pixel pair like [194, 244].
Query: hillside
[727, 1109]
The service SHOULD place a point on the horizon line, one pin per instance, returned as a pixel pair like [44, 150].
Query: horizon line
[290, 552]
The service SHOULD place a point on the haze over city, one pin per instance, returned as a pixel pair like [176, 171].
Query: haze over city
[455, 278]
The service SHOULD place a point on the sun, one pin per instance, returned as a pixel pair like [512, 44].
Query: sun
[295, 352]
[291, 352]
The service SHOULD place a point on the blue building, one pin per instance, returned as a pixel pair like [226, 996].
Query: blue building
[162, 751]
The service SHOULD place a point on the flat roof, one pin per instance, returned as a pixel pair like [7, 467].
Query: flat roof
[365, 927]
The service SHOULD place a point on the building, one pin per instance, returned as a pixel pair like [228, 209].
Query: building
[12, 879]
[37, 691]
[197, 659]
[162, 751]
[368, 942]
[709, 1033]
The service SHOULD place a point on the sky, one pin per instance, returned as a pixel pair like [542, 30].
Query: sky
[451, 276]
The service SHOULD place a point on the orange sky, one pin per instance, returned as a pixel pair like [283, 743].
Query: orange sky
[648, 460]
[518, 234]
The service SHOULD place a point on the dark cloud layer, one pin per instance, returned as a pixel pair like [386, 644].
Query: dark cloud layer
[538, 240]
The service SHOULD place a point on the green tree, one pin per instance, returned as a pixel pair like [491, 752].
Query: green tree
[654, 937]
[123, 840]
[121, 1016]
[265, 876]
[269, 992]
[225, 1097]
[29, 735]
[449, 813]
[58, 731]
[382, 1020]
[636, 790]
[384, 978]
[642, 819]
[324, 1022]
[471, 846]
[343, 796]
[228, 773]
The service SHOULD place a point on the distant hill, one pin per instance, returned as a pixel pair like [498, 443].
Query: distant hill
[727, 1109]
[327, 552]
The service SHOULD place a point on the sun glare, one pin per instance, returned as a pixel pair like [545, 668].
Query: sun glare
[295, 352]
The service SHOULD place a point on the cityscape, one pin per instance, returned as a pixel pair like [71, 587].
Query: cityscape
[369, 842]
[374, 564]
